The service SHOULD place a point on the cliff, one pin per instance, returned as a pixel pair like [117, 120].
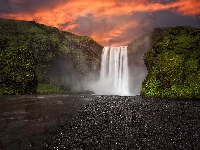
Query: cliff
[173, 63]
[60, 58]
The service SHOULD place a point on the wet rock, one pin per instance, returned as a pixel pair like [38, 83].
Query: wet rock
[114, 122]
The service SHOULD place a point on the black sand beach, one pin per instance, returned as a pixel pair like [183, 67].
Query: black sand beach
[98, 122]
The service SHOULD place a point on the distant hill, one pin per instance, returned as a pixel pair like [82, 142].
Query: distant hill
[58, 58]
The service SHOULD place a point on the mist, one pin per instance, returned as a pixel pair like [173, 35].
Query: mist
[137, 71]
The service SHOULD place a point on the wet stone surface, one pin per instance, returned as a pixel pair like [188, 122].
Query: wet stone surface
[27, 120]
[114, 122]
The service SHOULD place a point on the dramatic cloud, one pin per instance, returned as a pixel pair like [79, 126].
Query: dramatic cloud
[109, 22]
[187, 7]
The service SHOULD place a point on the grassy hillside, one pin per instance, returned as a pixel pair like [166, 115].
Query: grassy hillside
[61, 59]
[173, 63]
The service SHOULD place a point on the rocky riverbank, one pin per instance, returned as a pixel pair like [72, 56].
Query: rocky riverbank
[27, 120]
[114, 122]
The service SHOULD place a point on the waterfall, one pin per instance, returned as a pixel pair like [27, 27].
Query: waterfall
[114, 74]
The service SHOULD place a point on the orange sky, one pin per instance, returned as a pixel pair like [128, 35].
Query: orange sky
[109, 22]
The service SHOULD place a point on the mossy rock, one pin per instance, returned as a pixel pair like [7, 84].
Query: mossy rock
[17, 75]
[49, 47]
[173, 64]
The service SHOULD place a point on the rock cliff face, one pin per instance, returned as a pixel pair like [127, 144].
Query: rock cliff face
[173, 64]
[167, 61]
[137, 67]
[60, 58]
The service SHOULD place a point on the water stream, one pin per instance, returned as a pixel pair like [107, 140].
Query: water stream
[114, 74]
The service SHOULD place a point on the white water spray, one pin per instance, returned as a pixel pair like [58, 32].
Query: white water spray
[114, 75]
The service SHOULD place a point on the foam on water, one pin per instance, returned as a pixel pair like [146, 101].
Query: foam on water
[114, 74]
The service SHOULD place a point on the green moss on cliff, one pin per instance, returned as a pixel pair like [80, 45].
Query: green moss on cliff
[17, 65]
[173, 64]
[49, 47]
[48, 88]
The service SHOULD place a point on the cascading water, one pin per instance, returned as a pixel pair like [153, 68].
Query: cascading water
[114, 75]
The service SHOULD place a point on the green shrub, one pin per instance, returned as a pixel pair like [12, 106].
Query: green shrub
[48, 88]
[17, 71]
[173, 64]
[49, 46]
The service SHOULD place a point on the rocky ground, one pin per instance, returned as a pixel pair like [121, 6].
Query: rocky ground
[114, 122]
[27, 120]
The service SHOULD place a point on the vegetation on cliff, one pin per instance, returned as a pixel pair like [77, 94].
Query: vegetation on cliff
[173, 63]
[56, 57]
[17, 67]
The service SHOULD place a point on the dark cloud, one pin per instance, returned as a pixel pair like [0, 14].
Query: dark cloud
[23, 6]
[5, 6]
[113, 22]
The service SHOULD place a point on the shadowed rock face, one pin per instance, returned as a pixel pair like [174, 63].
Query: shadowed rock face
[137, 67]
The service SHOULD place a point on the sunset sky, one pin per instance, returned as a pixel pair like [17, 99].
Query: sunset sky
[109, 22]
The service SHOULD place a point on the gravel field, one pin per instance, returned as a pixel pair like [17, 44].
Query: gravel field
[114, 122]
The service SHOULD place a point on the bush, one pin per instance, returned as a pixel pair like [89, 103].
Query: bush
[51, 46]
[17, 71]
[174, 64]
[48, 88]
